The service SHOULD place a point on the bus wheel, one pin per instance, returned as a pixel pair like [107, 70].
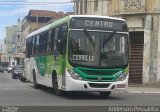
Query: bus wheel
[35, 85]
[105, 94]
[55, 86]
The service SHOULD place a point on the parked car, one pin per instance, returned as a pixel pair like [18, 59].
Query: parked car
[1, 68]
[22, 77]
[9, 68]
[17, 71]
[4, 65]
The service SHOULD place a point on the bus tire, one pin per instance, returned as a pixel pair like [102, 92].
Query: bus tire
[105, 94]
[35, 85]
[55, 85]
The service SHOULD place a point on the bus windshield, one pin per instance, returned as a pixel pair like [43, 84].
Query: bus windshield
[98, 49]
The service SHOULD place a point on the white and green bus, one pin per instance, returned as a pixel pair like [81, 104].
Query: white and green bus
[79, 53]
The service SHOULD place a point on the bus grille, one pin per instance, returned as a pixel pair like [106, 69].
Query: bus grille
[102, 79]
[98, 85]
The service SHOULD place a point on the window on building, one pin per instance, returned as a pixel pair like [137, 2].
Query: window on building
[95, 4]
[18, 38]
[18, 49]
[44, 19]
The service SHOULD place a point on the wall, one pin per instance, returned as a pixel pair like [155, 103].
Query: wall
[134, 6]
[153, 49]
[146, 52]
[101, 10]
[152, 6]
[158, 55]
[143, 15]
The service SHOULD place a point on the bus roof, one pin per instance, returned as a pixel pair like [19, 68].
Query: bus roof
[66, 20]
[97, 16]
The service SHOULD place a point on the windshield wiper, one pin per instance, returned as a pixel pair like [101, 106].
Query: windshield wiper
[90, 38]
[109, 37]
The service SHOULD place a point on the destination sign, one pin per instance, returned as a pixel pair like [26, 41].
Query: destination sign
[98, 24]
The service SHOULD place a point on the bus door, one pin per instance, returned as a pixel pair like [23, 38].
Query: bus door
[59, 52]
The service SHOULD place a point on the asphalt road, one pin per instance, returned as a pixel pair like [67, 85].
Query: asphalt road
[13, 92]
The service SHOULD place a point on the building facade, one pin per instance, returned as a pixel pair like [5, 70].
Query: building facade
[37, 19]
[11, 44]
[10, 30]
[143, 18]
[16, 34]
[7, 54]
[17, 46]
[90, 7]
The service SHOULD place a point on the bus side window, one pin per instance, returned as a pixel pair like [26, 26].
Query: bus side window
[40, 44]
[60, 39]
[34, 51]
[32, 46]
[37, 44]
[56, 39]
[28, 47]
[52, 40]
[45, 42]
[63, 36]
[41, 41]
[48, 42]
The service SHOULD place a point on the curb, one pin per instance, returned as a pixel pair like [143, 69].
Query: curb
[142, 90]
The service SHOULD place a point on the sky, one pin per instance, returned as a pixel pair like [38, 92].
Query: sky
[11, 10]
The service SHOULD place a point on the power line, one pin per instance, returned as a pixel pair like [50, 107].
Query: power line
[77, 1]
[44, 3]
[26, 4]
[31, 3]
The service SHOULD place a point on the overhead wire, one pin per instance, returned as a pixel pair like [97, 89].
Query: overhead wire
[31, 3]
[44, 3]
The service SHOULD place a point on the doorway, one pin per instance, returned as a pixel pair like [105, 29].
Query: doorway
[136, 56]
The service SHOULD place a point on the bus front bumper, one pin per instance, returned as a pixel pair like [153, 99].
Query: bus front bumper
[80, 85]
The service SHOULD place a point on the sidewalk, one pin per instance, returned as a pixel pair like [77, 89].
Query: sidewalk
[142, 89]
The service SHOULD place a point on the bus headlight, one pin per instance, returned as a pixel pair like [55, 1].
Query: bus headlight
[73, 74]
[122, 77]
